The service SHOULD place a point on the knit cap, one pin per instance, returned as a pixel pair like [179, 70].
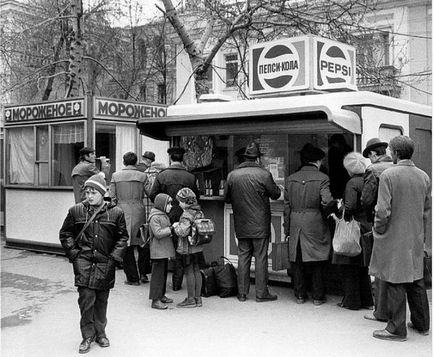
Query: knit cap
[355, 163]
[161, 201]
[98, 183]
[186, 195]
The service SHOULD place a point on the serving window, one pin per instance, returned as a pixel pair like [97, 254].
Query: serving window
[212, 157]
[30, 161]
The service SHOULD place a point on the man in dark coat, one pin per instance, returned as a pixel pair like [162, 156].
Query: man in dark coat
[400, 229]
[307, 194]
[82, 171]
[170, 181]
[376, 152]
[94, 254]
[249, 189]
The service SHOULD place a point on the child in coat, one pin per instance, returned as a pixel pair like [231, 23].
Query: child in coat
[191, 255]
[161, 250]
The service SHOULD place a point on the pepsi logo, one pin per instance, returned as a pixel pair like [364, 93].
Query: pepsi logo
[334, 64]
[278, 66]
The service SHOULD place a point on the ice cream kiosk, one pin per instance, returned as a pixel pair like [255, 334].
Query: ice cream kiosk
[302, 90]
[42, 143]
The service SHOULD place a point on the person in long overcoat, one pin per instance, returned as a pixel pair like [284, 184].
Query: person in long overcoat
[400, 229]
[249, 188]
[355, 278]
[127, 190]
[93, 255]
[307, 193]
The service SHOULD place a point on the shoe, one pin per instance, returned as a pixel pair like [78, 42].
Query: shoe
[85, 345]
[166, 300]
[318, 302]
[300, 300]
[135, 283]
[423, 333]
[144, 279]
[198, 301]
[372, 317]
[159, 305]
[103, 341]
[188, 302]
[242, 297]
[268, 297]
[386, 335]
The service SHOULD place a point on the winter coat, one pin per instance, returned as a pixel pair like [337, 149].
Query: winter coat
[353, 209]
[127, 189]
[370, 187]
[249, 188]
[161, 235]
[183, 230]
[170, 181]
[401, 223]
[307, 193]
[80, 173]
[103, 242]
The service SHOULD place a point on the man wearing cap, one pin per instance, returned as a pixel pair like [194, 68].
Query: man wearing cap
[147, 159]
[307, 195]
[170, 181]
[376, 152]
[249, 188]
[82, 171]
[127, 189]
[400, 229]
[94, 238]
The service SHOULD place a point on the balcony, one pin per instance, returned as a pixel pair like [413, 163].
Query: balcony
[380, 80]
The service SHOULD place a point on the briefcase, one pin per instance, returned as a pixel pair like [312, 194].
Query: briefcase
[280, 255]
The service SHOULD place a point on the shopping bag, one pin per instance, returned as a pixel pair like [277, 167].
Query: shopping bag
[346, 240]
[226, 279]
[280, 255]
[209, 287]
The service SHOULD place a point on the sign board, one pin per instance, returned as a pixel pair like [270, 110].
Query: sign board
[104, 108]
[301, 64]
[65, 109]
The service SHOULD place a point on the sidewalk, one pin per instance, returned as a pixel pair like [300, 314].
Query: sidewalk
[40, 317]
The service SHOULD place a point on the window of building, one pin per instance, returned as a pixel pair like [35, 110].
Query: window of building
[231, 70]
[30, 160]
[162, 97]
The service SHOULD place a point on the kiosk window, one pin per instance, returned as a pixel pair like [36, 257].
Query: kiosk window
[43, 155]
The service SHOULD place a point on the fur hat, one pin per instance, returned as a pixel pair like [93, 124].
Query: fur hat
[372, 144]
[311, 153]
[161, 201]
[186, 195]
[149, 155]
[98, 183]
[252, 151]
[355, 163]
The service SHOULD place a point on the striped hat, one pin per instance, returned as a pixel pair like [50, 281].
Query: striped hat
[98, 183]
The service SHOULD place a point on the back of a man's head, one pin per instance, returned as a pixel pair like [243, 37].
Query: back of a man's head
[178, 157]
[403, 146]
[130, 158]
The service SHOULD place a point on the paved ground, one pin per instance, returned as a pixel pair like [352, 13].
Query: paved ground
[40, 317]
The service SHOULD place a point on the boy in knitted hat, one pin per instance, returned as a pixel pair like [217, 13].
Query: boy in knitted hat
[94, 252]
[190, 254]
[161, 250]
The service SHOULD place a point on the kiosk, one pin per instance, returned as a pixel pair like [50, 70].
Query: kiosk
[42, 142]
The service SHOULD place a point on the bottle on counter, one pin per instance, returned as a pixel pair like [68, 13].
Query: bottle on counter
[208, 188]
[198, 186]
[222, 188]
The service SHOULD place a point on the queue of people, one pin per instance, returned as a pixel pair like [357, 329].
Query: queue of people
[390, 199]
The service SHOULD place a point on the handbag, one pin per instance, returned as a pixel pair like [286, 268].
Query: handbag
[202, 231]
[145, 234]
[225, 279]
[346, 239]
[280, 255]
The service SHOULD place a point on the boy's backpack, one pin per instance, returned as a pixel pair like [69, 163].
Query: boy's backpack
[202, 231]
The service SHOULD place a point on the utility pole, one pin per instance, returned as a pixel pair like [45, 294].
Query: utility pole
[77, 51]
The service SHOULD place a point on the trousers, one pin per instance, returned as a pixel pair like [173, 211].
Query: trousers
[93, 309]
[417, 302]
[157, 287]
[257, 248]
[130, 265]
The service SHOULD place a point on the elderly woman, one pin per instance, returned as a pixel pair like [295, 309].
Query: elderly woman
[355, 278]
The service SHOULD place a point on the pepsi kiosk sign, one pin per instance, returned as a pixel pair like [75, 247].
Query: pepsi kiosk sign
[301, 64]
